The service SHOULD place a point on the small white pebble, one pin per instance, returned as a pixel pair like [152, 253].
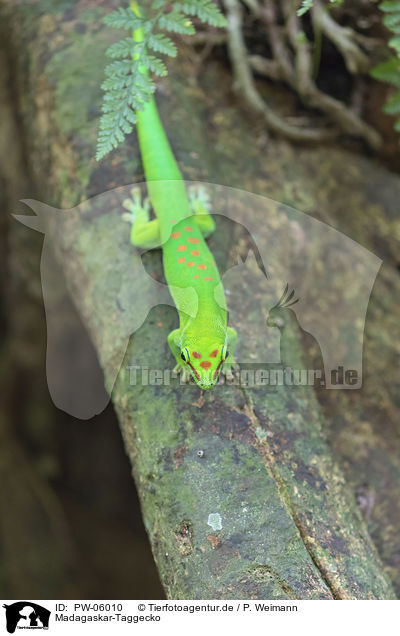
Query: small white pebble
[215, 521]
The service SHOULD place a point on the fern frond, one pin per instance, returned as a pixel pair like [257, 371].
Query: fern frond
[127, 91]
[160, 43]
[176, 22]
[123, 19]
[206, 10]
[128, 86]
[121, 49]
[155, 65]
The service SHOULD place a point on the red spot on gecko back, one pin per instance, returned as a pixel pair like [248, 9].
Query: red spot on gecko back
[196, 276]
[173, 221]
[195, 354]
[193, 240]
[182, 248]
[205, 364]
[175, 234]
[195, 253]
[202, 266]
[213, 354]
[188, 228]
[190, 264]
[208, 278]
[182, 259]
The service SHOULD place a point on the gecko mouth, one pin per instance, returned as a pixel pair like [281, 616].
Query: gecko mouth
[206, 381]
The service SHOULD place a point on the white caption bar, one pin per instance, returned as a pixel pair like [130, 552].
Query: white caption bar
[207, 617]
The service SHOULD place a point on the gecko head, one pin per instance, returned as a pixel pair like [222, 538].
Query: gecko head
[204, 361]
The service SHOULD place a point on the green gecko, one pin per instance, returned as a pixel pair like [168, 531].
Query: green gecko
[203, 343]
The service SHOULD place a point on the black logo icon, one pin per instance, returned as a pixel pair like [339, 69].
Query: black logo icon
[26, 615]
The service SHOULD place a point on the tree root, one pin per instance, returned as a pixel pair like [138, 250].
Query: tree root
[244, 83]
[292, 63]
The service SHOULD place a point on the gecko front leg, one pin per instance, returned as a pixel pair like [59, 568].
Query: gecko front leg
[144, 233]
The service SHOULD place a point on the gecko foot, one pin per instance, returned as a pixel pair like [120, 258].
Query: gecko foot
[230, 369]
[136, 206]
[185, 374]
[199, 199]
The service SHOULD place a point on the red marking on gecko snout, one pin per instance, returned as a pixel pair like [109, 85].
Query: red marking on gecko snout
[217, 371]
[205, 364]
[194, 371]
[213, 354]
[195, 354]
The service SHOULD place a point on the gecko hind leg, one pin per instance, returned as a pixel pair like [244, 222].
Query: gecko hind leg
[144, 233]
[200, 207]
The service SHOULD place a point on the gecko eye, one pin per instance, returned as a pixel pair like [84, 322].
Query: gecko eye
[224, 353]
[185, 355]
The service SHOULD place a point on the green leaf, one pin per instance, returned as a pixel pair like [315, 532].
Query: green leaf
[160, 43]
[206, 10]
[155, 65]
[121, 49]
[176, 22]
[392, 106]
[394, 43]
[301, 38]
[397, 126]
[388, 71]
[390, 6]
[392, 22]
[123, 19]
[118, 68]
[305, 6]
